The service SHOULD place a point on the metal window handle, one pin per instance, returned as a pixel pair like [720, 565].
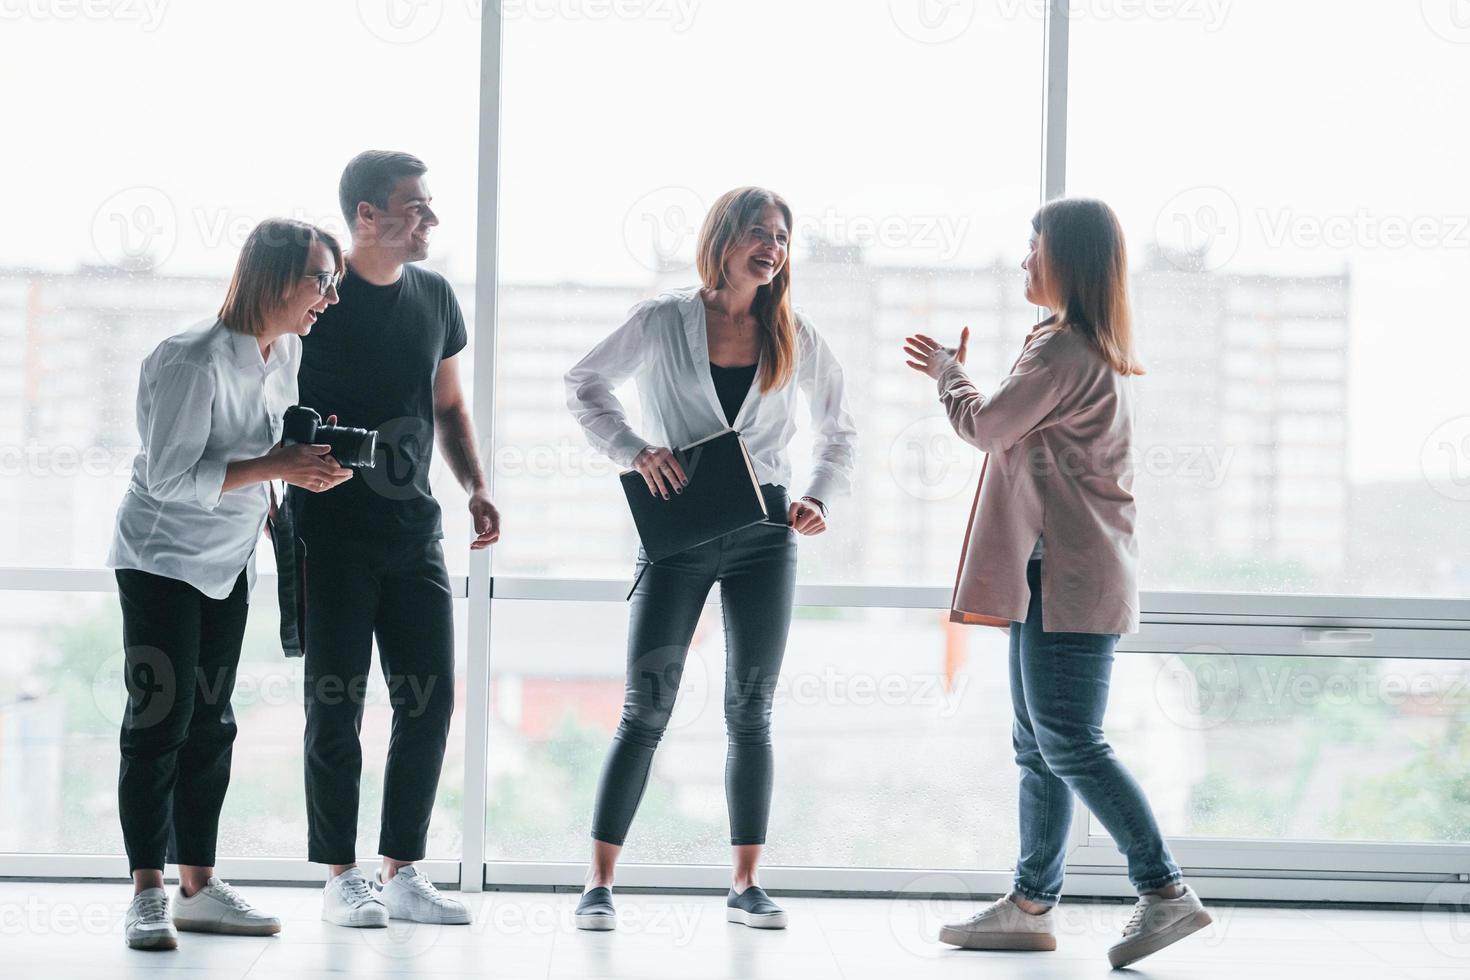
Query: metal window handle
[1330, 635]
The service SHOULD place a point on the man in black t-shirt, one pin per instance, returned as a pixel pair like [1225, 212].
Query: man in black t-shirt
[376, 365]
[386, 358]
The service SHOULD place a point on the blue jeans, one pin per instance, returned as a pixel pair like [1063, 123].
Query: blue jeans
[1059, 693]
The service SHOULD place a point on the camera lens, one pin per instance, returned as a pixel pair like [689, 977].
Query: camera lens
[353, 448]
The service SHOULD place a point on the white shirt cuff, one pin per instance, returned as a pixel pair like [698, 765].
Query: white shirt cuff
[627, 445]
[821, 487]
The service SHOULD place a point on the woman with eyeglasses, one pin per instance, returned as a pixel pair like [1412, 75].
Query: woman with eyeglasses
[209, 409]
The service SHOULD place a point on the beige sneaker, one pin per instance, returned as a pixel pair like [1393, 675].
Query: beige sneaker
[1003, 925]
[1158, 922]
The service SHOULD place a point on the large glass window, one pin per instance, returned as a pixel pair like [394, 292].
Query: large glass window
[1296, 747]
[912, 178]
[62, 698]
[1295, 219]
[175, 130]
[891, 730]
[1295, 225]
[164, 153]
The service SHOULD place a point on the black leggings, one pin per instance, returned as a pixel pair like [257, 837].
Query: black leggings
[181, 649]
[756, 569]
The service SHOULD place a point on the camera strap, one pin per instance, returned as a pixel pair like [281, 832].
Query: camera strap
[290, 574]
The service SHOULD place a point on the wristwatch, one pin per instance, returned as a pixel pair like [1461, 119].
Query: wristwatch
[820, 506]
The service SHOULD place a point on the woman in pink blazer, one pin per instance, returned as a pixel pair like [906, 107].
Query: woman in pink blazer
[1050, 555]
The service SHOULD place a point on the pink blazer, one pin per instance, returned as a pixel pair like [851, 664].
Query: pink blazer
[1058, 434]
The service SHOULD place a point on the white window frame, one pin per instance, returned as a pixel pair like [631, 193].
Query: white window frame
[1172, 621]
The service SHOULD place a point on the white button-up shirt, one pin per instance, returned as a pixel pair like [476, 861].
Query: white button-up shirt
[206, 398]
[664, 346]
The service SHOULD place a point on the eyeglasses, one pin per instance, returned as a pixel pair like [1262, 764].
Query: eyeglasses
[326, 281]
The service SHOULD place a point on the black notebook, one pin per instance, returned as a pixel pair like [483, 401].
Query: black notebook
[723, 495]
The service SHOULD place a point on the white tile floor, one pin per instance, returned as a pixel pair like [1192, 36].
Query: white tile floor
[55, 931]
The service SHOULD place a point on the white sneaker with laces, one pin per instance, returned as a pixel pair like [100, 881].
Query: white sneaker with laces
[1003, 925]
[348, 900]
[219, 908]
[147, 925]
[409, 895]
[1158, 922]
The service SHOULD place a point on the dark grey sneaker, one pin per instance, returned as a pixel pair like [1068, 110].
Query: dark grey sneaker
[595, 911]
[754, 908]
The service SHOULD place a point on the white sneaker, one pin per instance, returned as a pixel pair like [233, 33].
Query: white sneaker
[348, 900]
[219, 908]
[409, 895]
[147, 925]
[1158, 922]
[1003, 925]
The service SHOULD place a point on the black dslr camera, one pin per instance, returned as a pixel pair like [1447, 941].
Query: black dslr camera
[352, 448]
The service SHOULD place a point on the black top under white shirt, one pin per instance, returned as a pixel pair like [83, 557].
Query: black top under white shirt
[731, 385]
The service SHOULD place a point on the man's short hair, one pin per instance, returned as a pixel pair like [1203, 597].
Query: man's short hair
[370, 177]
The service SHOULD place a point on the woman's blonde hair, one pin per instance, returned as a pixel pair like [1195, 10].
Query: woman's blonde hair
[724, 227]
[269, 267]
[1085, 265]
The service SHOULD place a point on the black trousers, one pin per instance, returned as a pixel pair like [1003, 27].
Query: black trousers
[756, 569]
[181, 650]
[398, 592]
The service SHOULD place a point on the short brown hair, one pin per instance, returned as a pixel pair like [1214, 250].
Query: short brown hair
[271, 263]
[370, 177]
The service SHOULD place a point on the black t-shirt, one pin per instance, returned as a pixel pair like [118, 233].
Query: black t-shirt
[371, 360]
